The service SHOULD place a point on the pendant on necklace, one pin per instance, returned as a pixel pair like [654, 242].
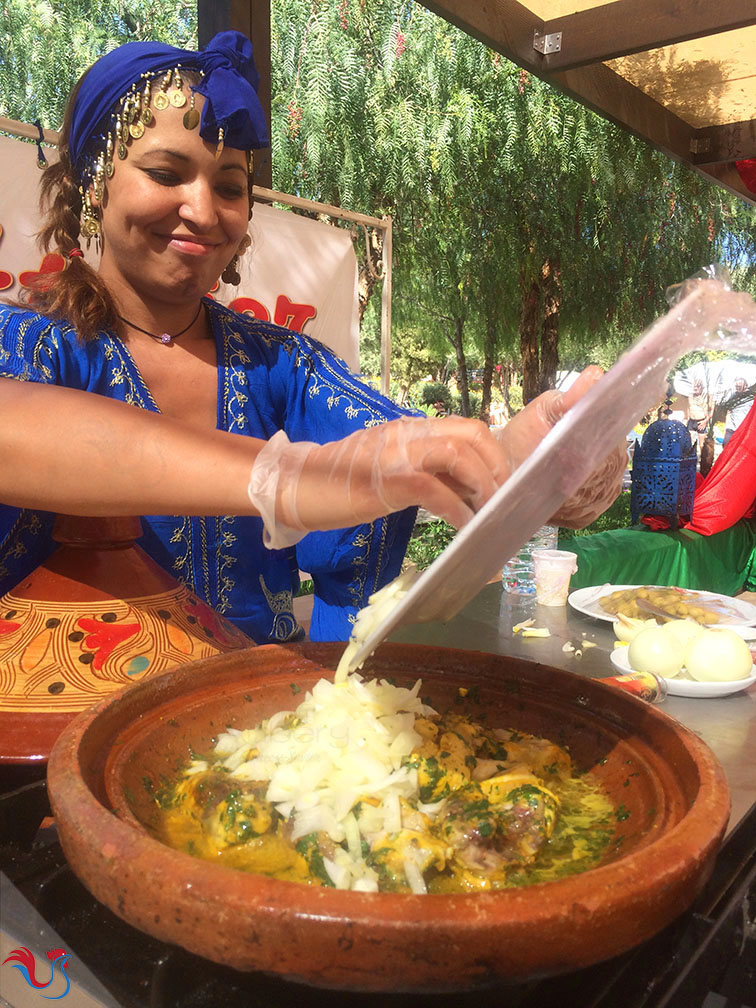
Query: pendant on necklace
[165, 338]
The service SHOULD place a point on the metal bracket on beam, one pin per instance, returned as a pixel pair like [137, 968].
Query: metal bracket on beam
[700, 145]
[549, 43]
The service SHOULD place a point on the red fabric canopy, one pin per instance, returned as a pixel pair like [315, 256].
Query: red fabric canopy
[747, 171]
[728, 493]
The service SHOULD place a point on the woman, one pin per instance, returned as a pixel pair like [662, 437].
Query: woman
[155, 165]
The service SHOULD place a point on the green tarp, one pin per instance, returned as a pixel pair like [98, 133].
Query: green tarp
[724, 562]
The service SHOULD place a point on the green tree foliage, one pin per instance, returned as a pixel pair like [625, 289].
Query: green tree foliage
[528, 232]
[523, 222]
[45, 46]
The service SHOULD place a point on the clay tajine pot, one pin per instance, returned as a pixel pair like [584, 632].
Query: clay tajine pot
[97, 614]
[669, 791]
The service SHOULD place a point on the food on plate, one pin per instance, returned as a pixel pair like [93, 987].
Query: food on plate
[656, 649]
[628, 627]
[686, 650]
[365, 786]
[718, 656]
[673, 602]
[684, 630]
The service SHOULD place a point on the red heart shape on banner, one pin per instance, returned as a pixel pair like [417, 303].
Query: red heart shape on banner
[53, 262]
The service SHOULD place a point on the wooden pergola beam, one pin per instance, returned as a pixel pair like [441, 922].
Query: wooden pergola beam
[504, 25]
[633, 26]
[732, 142]
[508, 27]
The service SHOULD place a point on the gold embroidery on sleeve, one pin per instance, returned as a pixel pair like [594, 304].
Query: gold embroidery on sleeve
[280, 603]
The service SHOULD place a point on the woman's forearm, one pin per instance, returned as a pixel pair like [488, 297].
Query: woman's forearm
[78, 453]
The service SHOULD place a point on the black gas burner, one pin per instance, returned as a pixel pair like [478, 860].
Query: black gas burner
[706, 959]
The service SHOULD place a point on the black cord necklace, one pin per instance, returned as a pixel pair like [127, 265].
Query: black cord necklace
[164, 338]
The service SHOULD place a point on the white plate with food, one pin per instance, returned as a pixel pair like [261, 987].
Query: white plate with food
[679, 686]
[733, 612]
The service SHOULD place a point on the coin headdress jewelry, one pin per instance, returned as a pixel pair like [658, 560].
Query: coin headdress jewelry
[113, 105]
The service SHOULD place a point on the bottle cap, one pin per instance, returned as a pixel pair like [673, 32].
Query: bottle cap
[645, 685]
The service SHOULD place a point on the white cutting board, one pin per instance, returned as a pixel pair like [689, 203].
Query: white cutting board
[569, 453]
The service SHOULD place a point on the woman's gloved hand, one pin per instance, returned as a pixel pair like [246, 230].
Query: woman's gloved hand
[530, 426]
[450, 465]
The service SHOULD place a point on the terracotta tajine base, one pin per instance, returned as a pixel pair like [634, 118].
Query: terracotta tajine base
[97, 615]
[669, 794]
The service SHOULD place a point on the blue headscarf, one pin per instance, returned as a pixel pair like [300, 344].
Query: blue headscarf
[229, 85]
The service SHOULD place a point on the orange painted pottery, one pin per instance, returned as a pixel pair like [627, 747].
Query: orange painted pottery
[669, 793]
[97, 615]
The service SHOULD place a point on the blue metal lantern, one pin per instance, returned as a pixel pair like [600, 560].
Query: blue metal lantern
[664, 472]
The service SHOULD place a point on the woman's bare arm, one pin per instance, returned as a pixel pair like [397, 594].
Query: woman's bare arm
[78, 453]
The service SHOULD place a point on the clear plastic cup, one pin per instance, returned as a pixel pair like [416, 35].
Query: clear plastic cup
[553, 569]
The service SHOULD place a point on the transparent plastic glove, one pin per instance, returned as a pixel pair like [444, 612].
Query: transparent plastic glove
[521, 435]
[449, 465]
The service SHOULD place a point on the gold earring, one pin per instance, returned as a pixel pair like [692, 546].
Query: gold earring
[90, 221]
[230, 274]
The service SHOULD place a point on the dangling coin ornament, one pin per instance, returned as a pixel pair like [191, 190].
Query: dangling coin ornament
[146, 113]
[136, 129]
[109, 156]
[177, 96]
[161, 101]
[191, 116]
[191, 119]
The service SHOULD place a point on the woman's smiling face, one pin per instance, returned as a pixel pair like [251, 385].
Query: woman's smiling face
[173, 214]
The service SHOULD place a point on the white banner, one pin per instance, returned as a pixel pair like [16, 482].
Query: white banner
[298, 273]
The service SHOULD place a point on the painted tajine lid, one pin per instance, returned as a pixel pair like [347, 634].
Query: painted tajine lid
[97, 615]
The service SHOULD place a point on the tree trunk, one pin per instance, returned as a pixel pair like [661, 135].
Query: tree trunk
[505, 378]
[552, 304]
[489, 349]
[369, 270]
[529, 305]
[459, 350]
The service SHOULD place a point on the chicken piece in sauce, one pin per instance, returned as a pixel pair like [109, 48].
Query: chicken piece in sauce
[231, 812]
[215, 816]
[416, 844]
[497, 811]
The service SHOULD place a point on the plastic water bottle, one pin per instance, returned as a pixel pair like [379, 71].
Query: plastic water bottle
[518, 577]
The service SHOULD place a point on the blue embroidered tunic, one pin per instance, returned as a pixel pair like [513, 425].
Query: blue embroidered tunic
[269, 379]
